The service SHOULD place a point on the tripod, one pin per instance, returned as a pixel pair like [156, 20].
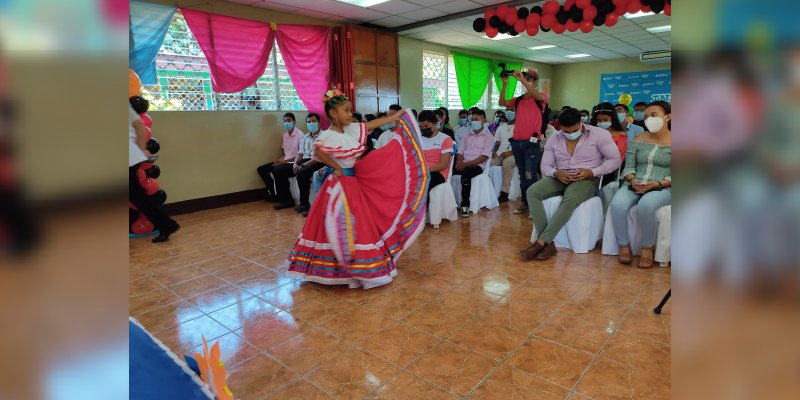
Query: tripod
[657, 310]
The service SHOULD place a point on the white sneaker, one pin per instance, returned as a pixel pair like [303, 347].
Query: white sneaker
[464, 212]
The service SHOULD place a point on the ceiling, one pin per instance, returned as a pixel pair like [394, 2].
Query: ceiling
[628, 38]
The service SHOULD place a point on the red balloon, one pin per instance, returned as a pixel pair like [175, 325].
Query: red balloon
[511, 18]
[532, 30]
[559, 29]
[549, 21]
[142, 226]
[611, 20]
[589, 13]
[141, 175]
[520, 26]
[587, 26]
[572, 26]
[501, 12]
[491, 32]
[146, 165]
[149, 133]
[148, 122]
[150, 186]
[488, 14]
[533, 20]
[646, 8]
[568, 4]
[582, 4]
[621, 3]
[668, 9]
[550, 7]
[634, 6]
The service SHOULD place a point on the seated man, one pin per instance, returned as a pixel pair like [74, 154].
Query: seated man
[437, 148]
[503, 156]
[442, 125]
[388, 129]
[496, 122]
[571, 170]
[473, 156]
[285, 169]
[463, 128]
[290, 145]
[305, 164]
[630, 129]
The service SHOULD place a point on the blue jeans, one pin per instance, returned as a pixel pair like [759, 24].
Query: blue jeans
[645, 213]
[528, 157]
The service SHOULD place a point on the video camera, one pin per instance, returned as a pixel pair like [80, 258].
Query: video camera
[504, 72]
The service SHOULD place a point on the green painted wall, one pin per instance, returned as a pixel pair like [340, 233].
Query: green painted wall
[578, 84]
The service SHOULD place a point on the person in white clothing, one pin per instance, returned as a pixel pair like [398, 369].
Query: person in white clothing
[463, 129]
[502, 155]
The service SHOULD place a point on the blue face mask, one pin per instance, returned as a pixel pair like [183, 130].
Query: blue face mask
[621, 117]
[574, 135]
[638, 115]
[462, 121]
[288, 125]
[386, 127]
[469, 118]
[313, 126]
[585, 118]
[477, 125]
[604, 125]
[510, 115]
[497, 120]
[439, 126]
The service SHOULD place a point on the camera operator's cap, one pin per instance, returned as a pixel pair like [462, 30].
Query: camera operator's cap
[532, 73]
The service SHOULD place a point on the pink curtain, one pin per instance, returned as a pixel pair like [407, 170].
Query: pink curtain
[306, 52]
[237, 49]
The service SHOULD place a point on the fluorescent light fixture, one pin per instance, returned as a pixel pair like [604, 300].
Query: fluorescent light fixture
[542, 47]
[659, 29]
[500, 36]
[363, 3]
[638, 14]
[580, 55]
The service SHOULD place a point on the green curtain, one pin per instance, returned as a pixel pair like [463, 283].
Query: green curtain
[472, 75]
[512, 82]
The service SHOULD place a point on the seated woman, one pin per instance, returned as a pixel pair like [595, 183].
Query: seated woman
[648, 176]
[348, 238]
[605, 117]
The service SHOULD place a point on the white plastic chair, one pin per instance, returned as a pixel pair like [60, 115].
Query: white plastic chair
[584, 228]
[294, 189]
[496, 174]
[514, 192]
[482, 193]
[663, 246]
[442, 204]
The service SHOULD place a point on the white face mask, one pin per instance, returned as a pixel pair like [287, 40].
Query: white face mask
[654, 124]
[604, 125]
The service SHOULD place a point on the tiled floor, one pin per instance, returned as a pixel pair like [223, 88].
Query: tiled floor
[464, 318]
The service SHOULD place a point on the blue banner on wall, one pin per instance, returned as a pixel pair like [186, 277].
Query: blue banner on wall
[646, 86]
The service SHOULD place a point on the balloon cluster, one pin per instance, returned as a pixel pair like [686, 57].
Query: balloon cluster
[148, 172]
[570, 16]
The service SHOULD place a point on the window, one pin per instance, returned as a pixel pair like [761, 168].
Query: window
[440, 87]
[184, 81]
[518, 91]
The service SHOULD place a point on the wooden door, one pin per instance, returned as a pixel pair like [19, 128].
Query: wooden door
[376, 69]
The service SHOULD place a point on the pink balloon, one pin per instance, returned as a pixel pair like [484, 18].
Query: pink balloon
[572, 26]
[586, 26]
[589, 13]
[611, 20]
[559, 29]
[150, 186]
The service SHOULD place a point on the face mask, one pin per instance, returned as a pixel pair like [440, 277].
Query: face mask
[477, 125]
[510, 115]
[427, 132]
[496, 121]
[585, 118]
[462, 121]
[574, 135]
[439, 126]
[313, 126]
[469, 118]
[604, 125]
[386, 127]
[621, 117]
[638, 115]
[288, 125]
[654, 124]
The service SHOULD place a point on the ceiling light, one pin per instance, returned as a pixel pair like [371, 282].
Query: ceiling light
[659, 29]
[542, 47]
[639, 14]
[500, 36]
[363, 3]
[581, 55]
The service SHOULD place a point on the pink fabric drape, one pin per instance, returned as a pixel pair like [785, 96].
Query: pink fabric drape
[306, 52]
[237, 50]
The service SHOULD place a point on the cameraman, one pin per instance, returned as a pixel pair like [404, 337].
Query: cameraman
[528, 133]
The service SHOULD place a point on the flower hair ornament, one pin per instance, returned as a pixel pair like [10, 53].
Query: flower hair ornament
[334, 96]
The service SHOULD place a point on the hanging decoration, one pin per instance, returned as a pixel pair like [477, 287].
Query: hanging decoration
[572, 15]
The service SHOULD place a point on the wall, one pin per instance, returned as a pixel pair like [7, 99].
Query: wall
[578, 84]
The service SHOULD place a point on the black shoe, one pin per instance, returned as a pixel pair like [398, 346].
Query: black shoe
[464, 212]
[163, 236]
[282, 206]
[271, 198]
[302, 208]
[503, 198]
[305, 213]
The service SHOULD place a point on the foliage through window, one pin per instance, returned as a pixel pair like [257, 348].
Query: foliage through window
[184, 81]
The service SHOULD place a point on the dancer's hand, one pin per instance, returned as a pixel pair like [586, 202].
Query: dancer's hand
[338, 172]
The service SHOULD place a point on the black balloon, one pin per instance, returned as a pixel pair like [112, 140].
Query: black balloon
[153, 172]
[576, 14]
[646, 3]
[599, 20]
[159, 197]
[139, 104]
[562, 15]
[522, 13]
[152, 146]
[657, 6]
[513, 32]
[537, 10]
[479, 25]
[494, 22]
[543, 29]
[503, 28]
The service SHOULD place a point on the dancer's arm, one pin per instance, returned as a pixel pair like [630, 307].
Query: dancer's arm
[329, 161]
[376, 123]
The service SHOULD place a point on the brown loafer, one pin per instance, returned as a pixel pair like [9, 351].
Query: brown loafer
[548, 251]
[646, 258]
[625, 256]
[530, 252]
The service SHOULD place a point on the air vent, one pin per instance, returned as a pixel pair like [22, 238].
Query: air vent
[655, 57]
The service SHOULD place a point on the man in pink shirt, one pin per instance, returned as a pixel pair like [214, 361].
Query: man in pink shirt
[474, 153]
[572, 164]
[283, 168]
